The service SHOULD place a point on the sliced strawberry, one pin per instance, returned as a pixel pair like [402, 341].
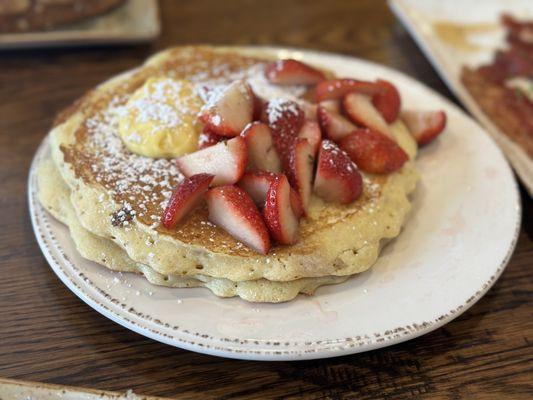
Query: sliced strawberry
[360, 109]
[186, 196]
[262, 154]
[334, 125]
[256, 184]
[226, 161]
[337, 178]
[230, 111]
[387, 101]
[292, 72]
[285, 118]
[208, 139]
[424, 125]
[338, 88]
[331, 105]
[373, 152]
[299, 170]
[234, 211]
[258, 107]
[309, 110]
[278, 213]
[311, 131]
[296, 204]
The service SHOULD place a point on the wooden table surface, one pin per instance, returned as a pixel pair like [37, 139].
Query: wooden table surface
[47, 334]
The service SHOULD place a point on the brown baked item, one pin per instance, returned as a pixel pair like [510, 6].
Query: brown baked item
[37, 15]
[504, 88]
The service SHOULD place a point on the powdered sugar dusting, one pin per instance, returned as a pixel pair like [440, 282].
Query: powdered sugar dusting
[148, 181]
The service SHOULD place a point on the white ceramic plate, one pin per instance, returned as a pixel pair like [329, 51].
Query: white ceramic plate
[135, 21]
[456, 243]
[419, 17]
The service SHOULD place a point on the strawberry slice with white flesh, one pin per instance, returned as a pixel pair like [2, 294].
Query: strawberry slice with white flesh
[360, 109]
[292, 72]
[230, 111]
[300, 168]
[334, 125]
[262, 154]
[296, 204]
[424, 126]
[309, 109]
[208, 139]
[285, 119]
[279, 216]
[233, 210]
[337, 178]
[256, 184]
[336, 89]
[311, 131]
[258, 107]
[186, 196]
[226, 161]
[331, 105]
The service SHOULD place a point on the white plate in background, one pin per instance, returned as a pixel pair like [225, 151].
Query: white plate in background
[419, 17]
[133, 21]
[458, 238]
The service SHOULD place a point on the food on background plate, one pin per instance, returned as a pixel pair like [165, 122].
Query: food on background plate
[504, 88]
[255, 178]
[38, 15]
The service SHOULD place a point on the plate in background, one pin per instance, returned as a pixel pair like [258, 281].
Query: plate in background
[419, 17]
[134, 21]
[456, 242]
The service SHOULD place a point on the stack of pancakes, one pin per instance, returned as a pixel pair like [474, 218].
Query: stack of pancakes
[112, 199]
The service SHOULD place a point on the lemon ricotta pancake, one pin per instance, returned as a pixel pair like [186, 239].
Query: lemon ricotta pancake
[119, 154]
[54, 194]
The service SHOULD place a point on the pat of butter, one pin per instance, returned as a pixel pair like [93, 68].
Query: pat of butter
[160, 119]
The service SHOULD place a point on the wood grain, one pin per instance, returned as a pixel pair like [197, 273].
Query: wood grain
[49, 335]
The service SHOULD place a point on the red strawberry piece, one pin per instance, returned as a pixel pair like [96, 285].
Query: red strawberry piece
[331, 105]
[278, 213]
[258, 107]
[338, 88]
[230, 111]
[285, 118]
[311, 131]
[337, 178]
[256, 184]
[387, 101]
[225, 160]
[186, 196]
[334, 125]
[373, 152]
[296, 204]
[234, 211]
[424, 125]
[292, 72]
[262, 154]
[208, 139]
[300, 165]
[360, 109]
[308, 109]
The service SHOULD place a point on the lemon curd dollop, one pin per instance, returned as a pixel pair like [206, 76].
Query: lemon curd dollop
[160, 119]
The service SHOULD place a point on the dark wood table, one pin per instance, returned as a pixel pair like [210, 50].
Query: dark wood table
[47, 334]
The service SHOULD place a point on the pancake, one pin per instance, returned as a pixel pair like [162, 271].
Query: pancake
[107, 181]
[54, 195]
